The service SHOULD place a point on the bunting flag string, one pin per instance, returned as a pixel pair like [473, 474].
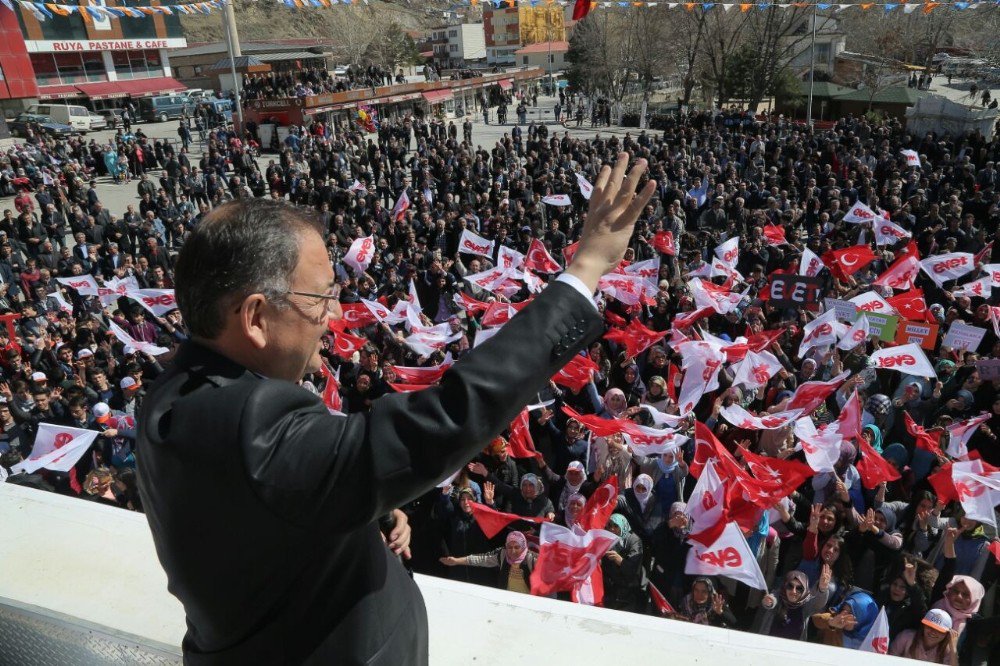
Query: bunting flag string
[45, 10]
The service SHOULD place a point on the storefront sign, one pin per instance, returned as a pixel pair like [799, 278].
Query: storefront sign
[74, 45]
[920, 332]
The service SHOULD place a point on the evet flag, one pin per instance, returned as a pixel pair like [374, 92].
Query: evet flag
[741, 418]
[943, 267]
[509, 258]
[557, 200]
[707, 507]
[889, 233]
[473, 243]
[129, 341]
[57, 448]
[810, 265]
[981, 288]
[586, 189]
[877, 640]
[901, 274]
[85, 285]
[729, 251]
[728, 556]
[402, 204]
[359, 256]
[960, 433]
[821, 331]
[158, 301]
[857, 334]
[912, 159]
[860, 213]
[909, 359]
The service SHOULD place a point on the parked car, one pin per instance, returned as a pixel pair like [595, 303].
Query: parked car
[19, 125]
[71, 114]
[97, 122]
[113, 117]
[163, 107]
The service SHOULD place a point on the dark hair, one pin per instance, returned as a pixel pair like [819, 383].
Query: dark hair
[243, 247]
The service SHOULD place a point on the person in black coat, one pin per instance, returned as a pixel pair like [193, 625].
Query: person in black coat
[279, 558]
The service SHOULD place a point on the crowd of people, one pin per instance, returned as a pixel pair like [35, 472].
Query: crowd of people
[317, 80]
[832, 550]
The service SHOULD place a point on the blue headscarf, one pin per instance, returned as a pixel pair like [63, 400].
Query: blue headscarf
[876, 436]
[865, 611]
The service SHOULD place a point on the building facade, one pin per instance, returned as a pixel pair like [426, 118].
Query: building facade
[86, 61]
[508, 29]
[830, 42]
[459, 45]
[549, 56]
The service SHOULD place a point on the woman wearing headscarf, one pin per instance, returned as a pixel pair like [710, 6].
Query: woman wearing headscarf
[786, 611]
[971, 544]
[657, 396]
[623, 572]
[918, 520]
[903, 597]
[632, 387]
[957, 595]
[847, 624]
[669, 474]
[574, 510]
[612, 458]
[611, 406]
[573, 482]
[529, 500]
[873, 435]
[461, 534]
[900, 489]
[639, 506]
[670, 547]
[873, 546]
[703, 605]
[827, 485]
[824, 545]
[932, 642]
[514, 561]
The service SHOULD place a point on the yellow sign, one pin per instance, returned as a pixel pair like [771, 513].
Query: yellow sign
[541, 24]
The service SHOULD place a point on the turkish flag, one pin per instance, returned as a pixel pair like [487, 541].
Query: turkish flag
[357, 315]
[811, 395]
[672, 381]
[994, 548]
[417, 375]
[663, 242]
[331, 390]
[470, 304]
[664, 607]
[910, 305]
[600, 427]
[684, 320]
[580, 9]
[567, 558]
[497, 314]
[575, 374]
[789, 473]
[539, 259]
[492, 522]
[636, 338]
[758, 342]
[399, 387]
[598, 509]
[775, 234]
[345, 344]
[925, 440]
[849, 421]
[873, 468]
[848, 261]
[943, 485]
[569, 251]
[708, 446]
[979, 256]
[521, 444]
[614, 320]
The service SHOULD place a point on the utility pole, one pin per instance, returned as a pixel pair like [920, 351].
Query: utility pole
[812, 71]
[233, 48]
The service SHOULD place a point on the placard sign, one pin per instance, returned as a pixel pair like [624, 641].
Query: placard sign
[989, 369]
[920, 332]
[846, 311]
[884, 326]
[794, 291]
[963, 336]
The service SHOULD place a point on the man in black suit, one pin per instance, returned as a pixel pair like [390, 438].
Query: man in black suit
[263, 505]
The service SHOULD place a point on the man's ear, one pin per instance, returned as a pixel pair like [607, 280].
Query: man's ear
[253, 320]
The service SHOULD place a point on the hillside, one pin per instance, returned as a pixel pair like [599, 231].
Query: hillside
[272, 20]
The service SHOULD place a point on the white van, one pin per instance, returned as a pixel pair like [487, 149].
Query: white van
[77, 117]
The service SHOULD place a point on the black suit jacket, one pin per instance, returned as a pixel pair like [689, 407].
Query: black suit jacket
[263, 506]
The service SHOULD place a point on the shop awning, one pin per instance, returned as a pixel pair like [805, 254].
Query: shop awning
[438, 96]
[102, 90]
[151, 87]
[57, 92]
[505, 84]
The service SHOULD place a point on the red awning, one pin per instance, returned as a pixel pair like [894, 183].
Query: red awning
[151, 87]
[102, 90]
[57, 92]
[438, 96]
[505, 84]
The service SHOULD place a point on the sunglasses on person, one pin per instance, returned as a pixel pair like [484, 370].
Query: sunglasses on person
[794, 587]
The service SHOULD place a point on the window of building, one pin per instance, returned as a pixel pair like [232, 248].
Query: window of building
[137, 64]
[64, 68]
[453, 47]
[823, 53]
[524, 60]
[453, 33]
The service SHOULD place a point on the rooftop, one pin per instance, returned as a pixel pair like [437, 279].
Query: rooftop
[544, 47]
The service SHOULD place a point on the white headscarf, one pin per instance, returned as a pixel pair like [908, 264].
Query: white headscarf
[646, 481]
[569, 489]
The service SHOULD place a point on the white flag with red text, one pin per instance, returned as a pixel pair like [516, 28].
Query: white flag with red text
[877, 640]
[810, 265]
[909, 359]
[855, 335]
[728, 556]
[951, 266]
[56, 448]
[472, 243]
[359, 256]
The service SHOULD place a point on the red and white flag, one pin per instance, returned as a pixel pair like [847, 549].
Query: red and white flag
[359, 256]
[848, 423]
[331, 390]
[741, 418]
[85, 285]
[822, 450]
[928, 441]
[789, 473]
[489, 279]
[974, 489]
[951, 266]
[912, 160]
[872, 302]
[708, 447]
[599, 507]
[586, 189]
[821, 331]
[576, 374]
[138, 345]
[663, 242]
[707, 507]
[649, 269]
[357, 315]
[635, 337]
[430, 374]
[993, 270]
[472, 243]
[521, 443]
[660, 602]
[56, 448]
[345, 344]
[384, 314]
[960, 433]
[539, 259]
[729, 252]
[756, 369]
[708, 294]
[900, 274]
[728, 556]
[509, 258]
[356, 186]
[811, 395]
[684, 320]
[810, 265]
[857, 334]
[157, 301]
[910, 305]
[849, 260]
[629, 289]
[873, 468]
[909, 359]
[701, 363]
[888, 232]
[981, 288]
[471, 305]
[492, 522]
[649, 442]
[567, 558]
[877, 639]
[557, 200]
[860, 213]
[775, 234]
[402, 205]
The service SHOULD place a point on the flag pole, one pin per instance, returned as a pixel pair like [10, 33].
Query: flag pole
[812, 69]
